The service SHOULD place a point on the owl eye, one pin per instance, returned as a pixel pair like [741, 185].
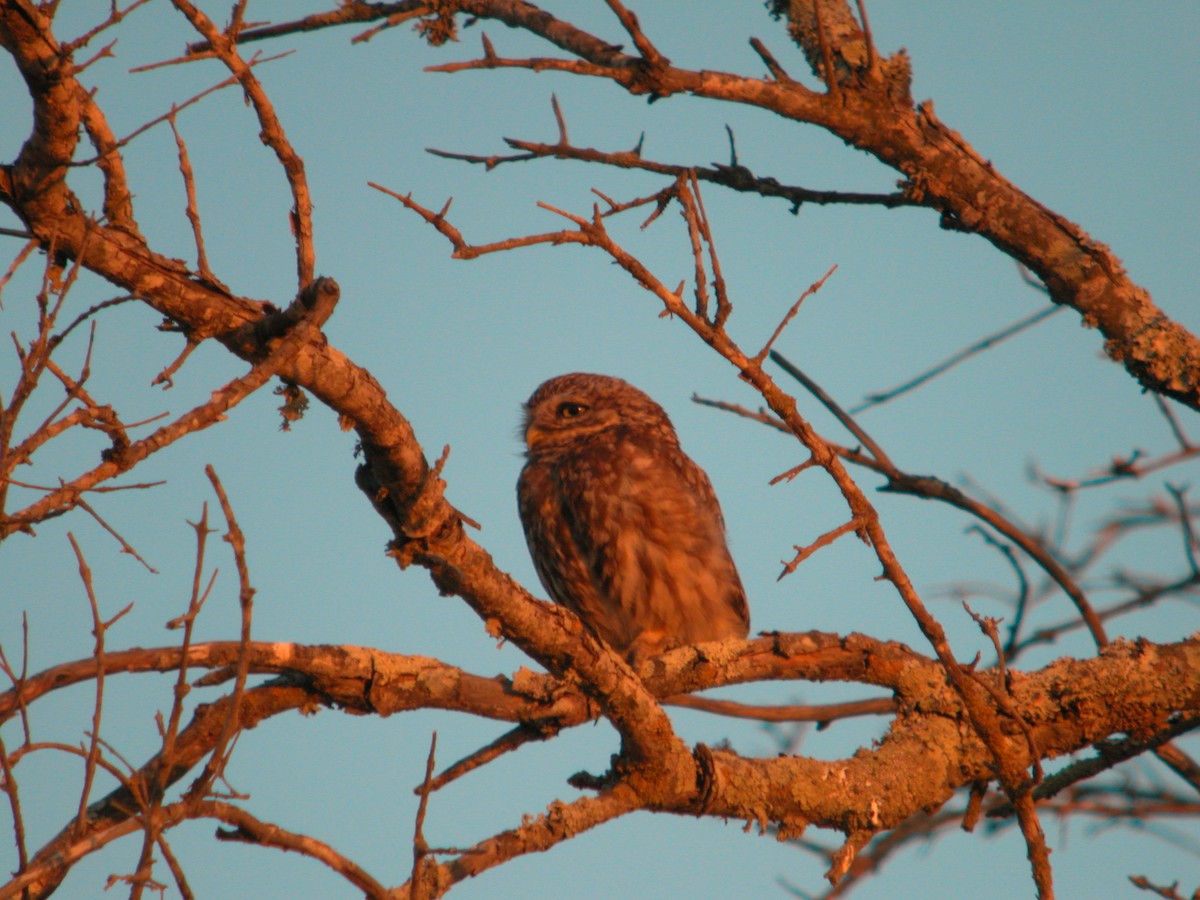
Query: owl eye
[570, 410]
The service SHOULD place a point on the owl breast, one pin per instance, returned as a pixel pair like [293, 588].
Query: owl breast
[625, 530]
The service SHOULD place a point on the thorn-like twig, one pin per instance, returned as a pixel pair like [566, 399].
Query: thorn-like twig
[832, 405]
[773, 66]
[872, 58]
[560, 120]
[950, 362]
[803, 553]
[795, 308]
[193, 211]
[420, 846]
[831, 79]
[630, 23]
[524, 733]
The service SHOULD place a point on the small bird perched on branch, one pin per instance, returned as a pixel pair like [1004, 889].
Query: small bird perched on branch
[623, 527]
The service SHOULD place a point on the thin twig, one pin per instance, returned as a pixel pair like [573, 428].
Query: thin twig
[820, 713]
[630, 23]
[126, 547]
[272, 135]
[831, 79]
[737, 178]
[772, 64]
[298, 325]
[99, 627]
[12, 790]
[872, 57]
[187, 623]
[193, 212]
[1022, 603]
[248, 829]
[30, 245]
[989, 625]
[115, 16]
[830, 404]
[176, 108]
[420, 846]
[181, 882]
[953, 360]
[795, 308]
[1179, 496]
[166, 376]
[1169, 415]
[803, 553]
[524, 733]
[221, 751]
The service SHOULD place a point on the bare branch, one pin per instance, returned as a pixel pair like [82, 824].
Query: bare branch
[272, 135]
[822, 714]
[524, 733]
[193, 214]
[809, 291]
[772, 64]
[248, 829]
[950, 362]
[420, 847]
[828, 402]
[803, 553]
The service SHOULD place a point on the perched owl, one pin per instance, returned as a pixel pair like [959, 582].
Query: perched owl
[623, 527]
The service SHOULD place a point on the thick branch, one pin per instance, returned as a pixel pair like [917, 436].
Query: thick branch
[1129, 689]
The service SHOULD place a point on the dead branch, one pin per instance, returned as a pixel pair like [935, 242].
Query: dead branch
[225, 48]
[984, 343]
[822, 714]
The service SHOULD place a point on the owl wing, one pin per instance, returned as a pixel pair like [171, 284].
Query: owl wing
[557, 555]
[645, 524]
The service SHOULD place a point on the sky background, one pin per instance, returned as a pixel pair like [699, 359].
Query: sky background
[1090, 109]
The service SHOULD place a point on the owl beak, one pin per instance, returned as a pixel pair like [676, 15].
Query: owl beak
[533, 435]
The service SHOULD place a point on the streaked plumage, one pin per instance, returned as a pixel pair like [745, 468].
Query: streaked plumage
[623, 527]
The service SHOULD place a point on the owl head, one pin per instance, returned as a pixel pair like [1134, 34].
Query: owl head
[569, 410]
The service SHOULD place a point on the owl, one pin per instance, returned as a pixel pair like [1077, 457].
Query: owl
[624, 529]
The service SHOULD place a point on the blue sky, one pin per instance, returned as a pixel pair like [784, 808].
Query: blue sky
[1090, 109]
